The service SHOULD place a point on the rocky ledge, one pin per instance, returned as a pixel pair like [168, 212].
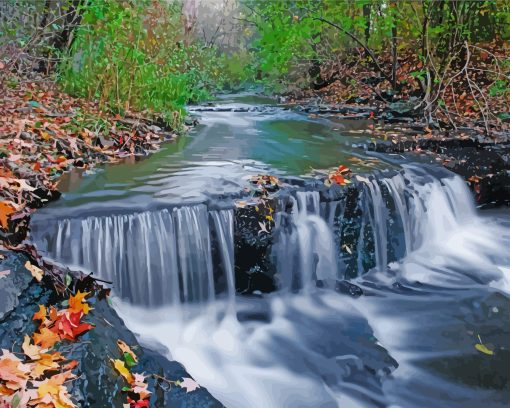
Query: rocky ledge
[97, 384]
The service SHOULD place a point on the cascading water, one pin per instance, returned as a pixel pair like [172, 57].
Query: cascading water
[410, 239]
[304, 249]
[153, 258]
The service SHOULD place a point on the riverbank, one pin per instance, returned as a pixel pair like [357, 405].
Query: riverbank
[482, 160]
[44, 133]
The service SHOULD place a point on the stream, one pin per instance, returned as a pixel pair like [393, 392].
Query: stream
[369, 296]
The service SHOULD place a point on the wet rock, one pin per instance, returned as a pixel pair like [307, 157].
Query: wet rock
[349, 289]
[97, 383]
[14, 281]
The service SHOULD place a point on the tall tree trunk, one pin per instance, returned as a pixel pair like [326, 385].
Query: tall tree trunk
[394, 48]
[189, 19]
[367, 8]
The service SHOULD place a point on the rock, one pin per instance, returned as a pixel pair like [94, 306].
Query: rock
[97, 383]
[14, 283]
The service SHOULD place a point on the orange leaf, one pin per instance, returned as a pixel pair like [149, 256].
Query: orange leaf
[46, 338]
[6, 209]
[40, 314]
[78, 304]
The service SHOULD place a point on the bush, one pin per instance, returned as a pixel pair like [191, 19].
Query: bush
[130, 55]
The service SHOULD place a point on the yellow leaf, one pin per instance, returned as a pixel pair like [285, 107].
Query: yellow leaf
[126, 349]
[36, 272]
[53, 390]
[122, 370]
[483, 349]
[47, 361]
[32, 351]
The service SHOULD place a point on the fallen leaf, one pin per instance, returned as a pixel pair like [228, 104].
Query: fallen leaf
[189, 384]
[32, 351]
[6, 209]
[40, 314]
[12, 370]
[126, 350]
[122, 370]
[5, 273]
[77, 303]
[36, 272]
[46, 338]
[483, 349]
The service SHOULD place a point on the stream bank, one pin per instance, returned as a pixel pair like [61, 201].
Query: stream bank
[147, 197]
[44, 135]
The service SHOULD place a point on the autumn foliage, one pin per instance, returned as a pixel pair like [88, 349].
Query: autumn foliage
[38, 376]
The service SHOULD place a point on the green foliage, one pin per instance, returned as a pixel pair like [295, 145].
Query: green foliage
[131, 55]
[295, 35]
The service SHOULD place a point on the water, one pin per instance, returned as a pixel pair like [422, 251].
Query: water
[435, 273]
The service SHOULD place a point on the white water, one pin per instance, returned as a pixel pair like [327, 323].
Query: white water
[309, 349]
[305, 250]
[153, 258]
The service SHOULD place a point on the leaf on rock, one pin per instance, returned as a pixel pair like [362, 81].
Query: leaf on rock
[32, 351]
[483, 349]
[6, 209]
[122, 370]
[189, 383]
[53, 391]
[127, 350]
[36, 272]
[77, 303]
[46, 338]
[40, 314]
[5, 273]
[13, 371]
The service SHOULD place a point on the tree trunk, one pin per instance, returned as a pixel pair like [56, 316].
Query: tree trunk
[367, 8]
[189, 19]
[394, 49]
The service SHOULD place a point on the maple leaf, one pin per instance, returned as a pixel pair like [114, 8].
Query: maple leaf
[36, 272]
[46, 361]
[52, 390]
[40, 314]
[122, 370]
[78, 304]
[188, 383]
[12, 370]
[32, 351]
[46, 338]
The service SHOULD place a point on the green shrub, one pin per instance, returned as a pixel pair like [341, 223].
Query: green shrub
[130, 55]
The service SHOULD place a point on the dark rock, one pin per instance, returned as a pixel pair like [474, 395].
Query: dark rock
[97, 383]
[13, 284]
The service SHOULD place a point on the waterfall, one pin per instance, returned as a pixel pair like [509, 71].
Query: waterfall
[186, 254]
[304, 249]
[154, 257]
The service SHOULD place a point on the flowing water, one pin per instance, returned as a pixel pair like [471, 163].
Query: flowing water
[434, 272]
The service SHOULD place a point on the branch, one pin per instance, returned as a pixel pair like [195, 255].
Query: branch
[358, 41]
